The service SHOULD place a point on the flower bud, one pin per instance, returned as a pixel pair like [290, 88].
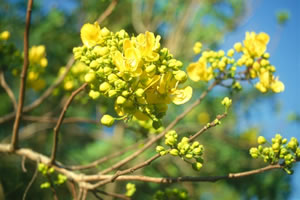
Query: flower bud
[89, 77]
[238, 47]
[104, 87]
[261, 140]
[107, 120]
[139, 92]
[159, 149]
[181, 76]
[226, 102]
[197, 166]
[174, 152]
[120, 100]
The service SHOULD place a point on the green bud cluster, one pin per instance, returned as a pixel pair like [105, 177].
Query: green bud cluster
[141, 80]
[47, 171]
[279, 151]
[184, 149]
[130, 189]
[175, 193]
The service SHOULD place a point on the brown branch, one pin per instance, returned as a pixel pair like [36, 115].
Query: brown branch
[83, 179]
[107, 11]
[31, 181]
[14, 140]
[102, 160]
[156, 138]
[61, 117]
[150, 160]
[8, 90]
[210, 125]
[111, 194]
[68, 120]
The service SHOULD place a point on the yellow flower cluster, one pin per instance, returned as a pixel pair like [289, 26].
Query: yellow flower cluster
[37, 64]
[254, 57]
[136, 72]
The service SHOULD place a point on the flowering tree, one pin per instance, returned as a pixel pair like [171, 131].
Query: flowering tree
[138, 80]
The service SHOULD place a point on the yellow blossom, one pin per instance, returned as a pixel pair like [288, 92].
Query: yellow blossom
[91, 34]
[181, 96]
[4, 35]
[256, 44]
[198, 71]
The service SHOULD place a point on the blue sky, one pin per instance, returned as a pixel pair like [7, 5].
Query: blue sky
[284, 47]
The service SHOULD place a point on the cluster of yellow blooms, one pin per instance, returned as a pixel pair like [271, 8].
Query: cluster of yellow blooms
[280, 150]
[253, 56]
[141, 77]
[37, 64]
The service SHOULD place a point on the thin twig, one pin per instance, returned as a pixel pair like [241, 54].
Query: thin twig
[60, 119]
[150, 160]
[8, 90]
[120, 196]
[108, 11]
[102, 160]
[14, 140]
[31, 181]
[156, 138]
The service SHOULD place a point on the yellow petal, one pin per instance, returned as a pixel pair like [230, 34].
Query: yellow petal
[181, 96]
[119, 61]
[277, 86]
[90, 34]
[192, 72]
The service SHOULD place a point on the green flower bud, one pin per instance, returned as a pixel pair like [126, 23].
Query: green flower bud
[159, 149]
[189, 156]
[197, 151]
[45, 185]
[195, 144]
[94, 65]
[125, 93]
[107, 120]
[284, 141]
[104, 32]
[89, 77]
[139, 92]
[174, 152]
[254, 152]
[197, 166]
[94, 94]
[181, 76]
[170, 141]
[150, 68]
[112, 93]
[112, 78]
[107, 70]
[119, 84]
[120, 100]
[104, 87]
[261, 140]
[162, 153]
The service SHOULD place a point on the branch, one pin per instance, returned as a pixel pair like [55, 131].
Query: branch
[8, 90]
[107, 11]
[110, 194]
[61, 117]
[14, 140]
[83, 179]
[156, 138]
[150, 160]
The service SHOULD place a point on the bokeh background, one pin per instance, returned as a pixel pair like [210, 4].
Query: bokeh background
[218, 24]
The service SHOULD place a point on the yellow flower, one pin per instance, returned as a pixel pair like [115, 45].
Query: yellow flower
[181, 96]
[226, 102]
[107, 120]
[37, 54]
[91, 34]
[277, 86]
[256, 44]
[147, 44]
[4, 35]
[197, 47]
[198, 71]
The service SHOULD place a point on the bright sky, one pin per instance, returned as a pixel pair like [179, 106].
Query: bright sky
[285, 55]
